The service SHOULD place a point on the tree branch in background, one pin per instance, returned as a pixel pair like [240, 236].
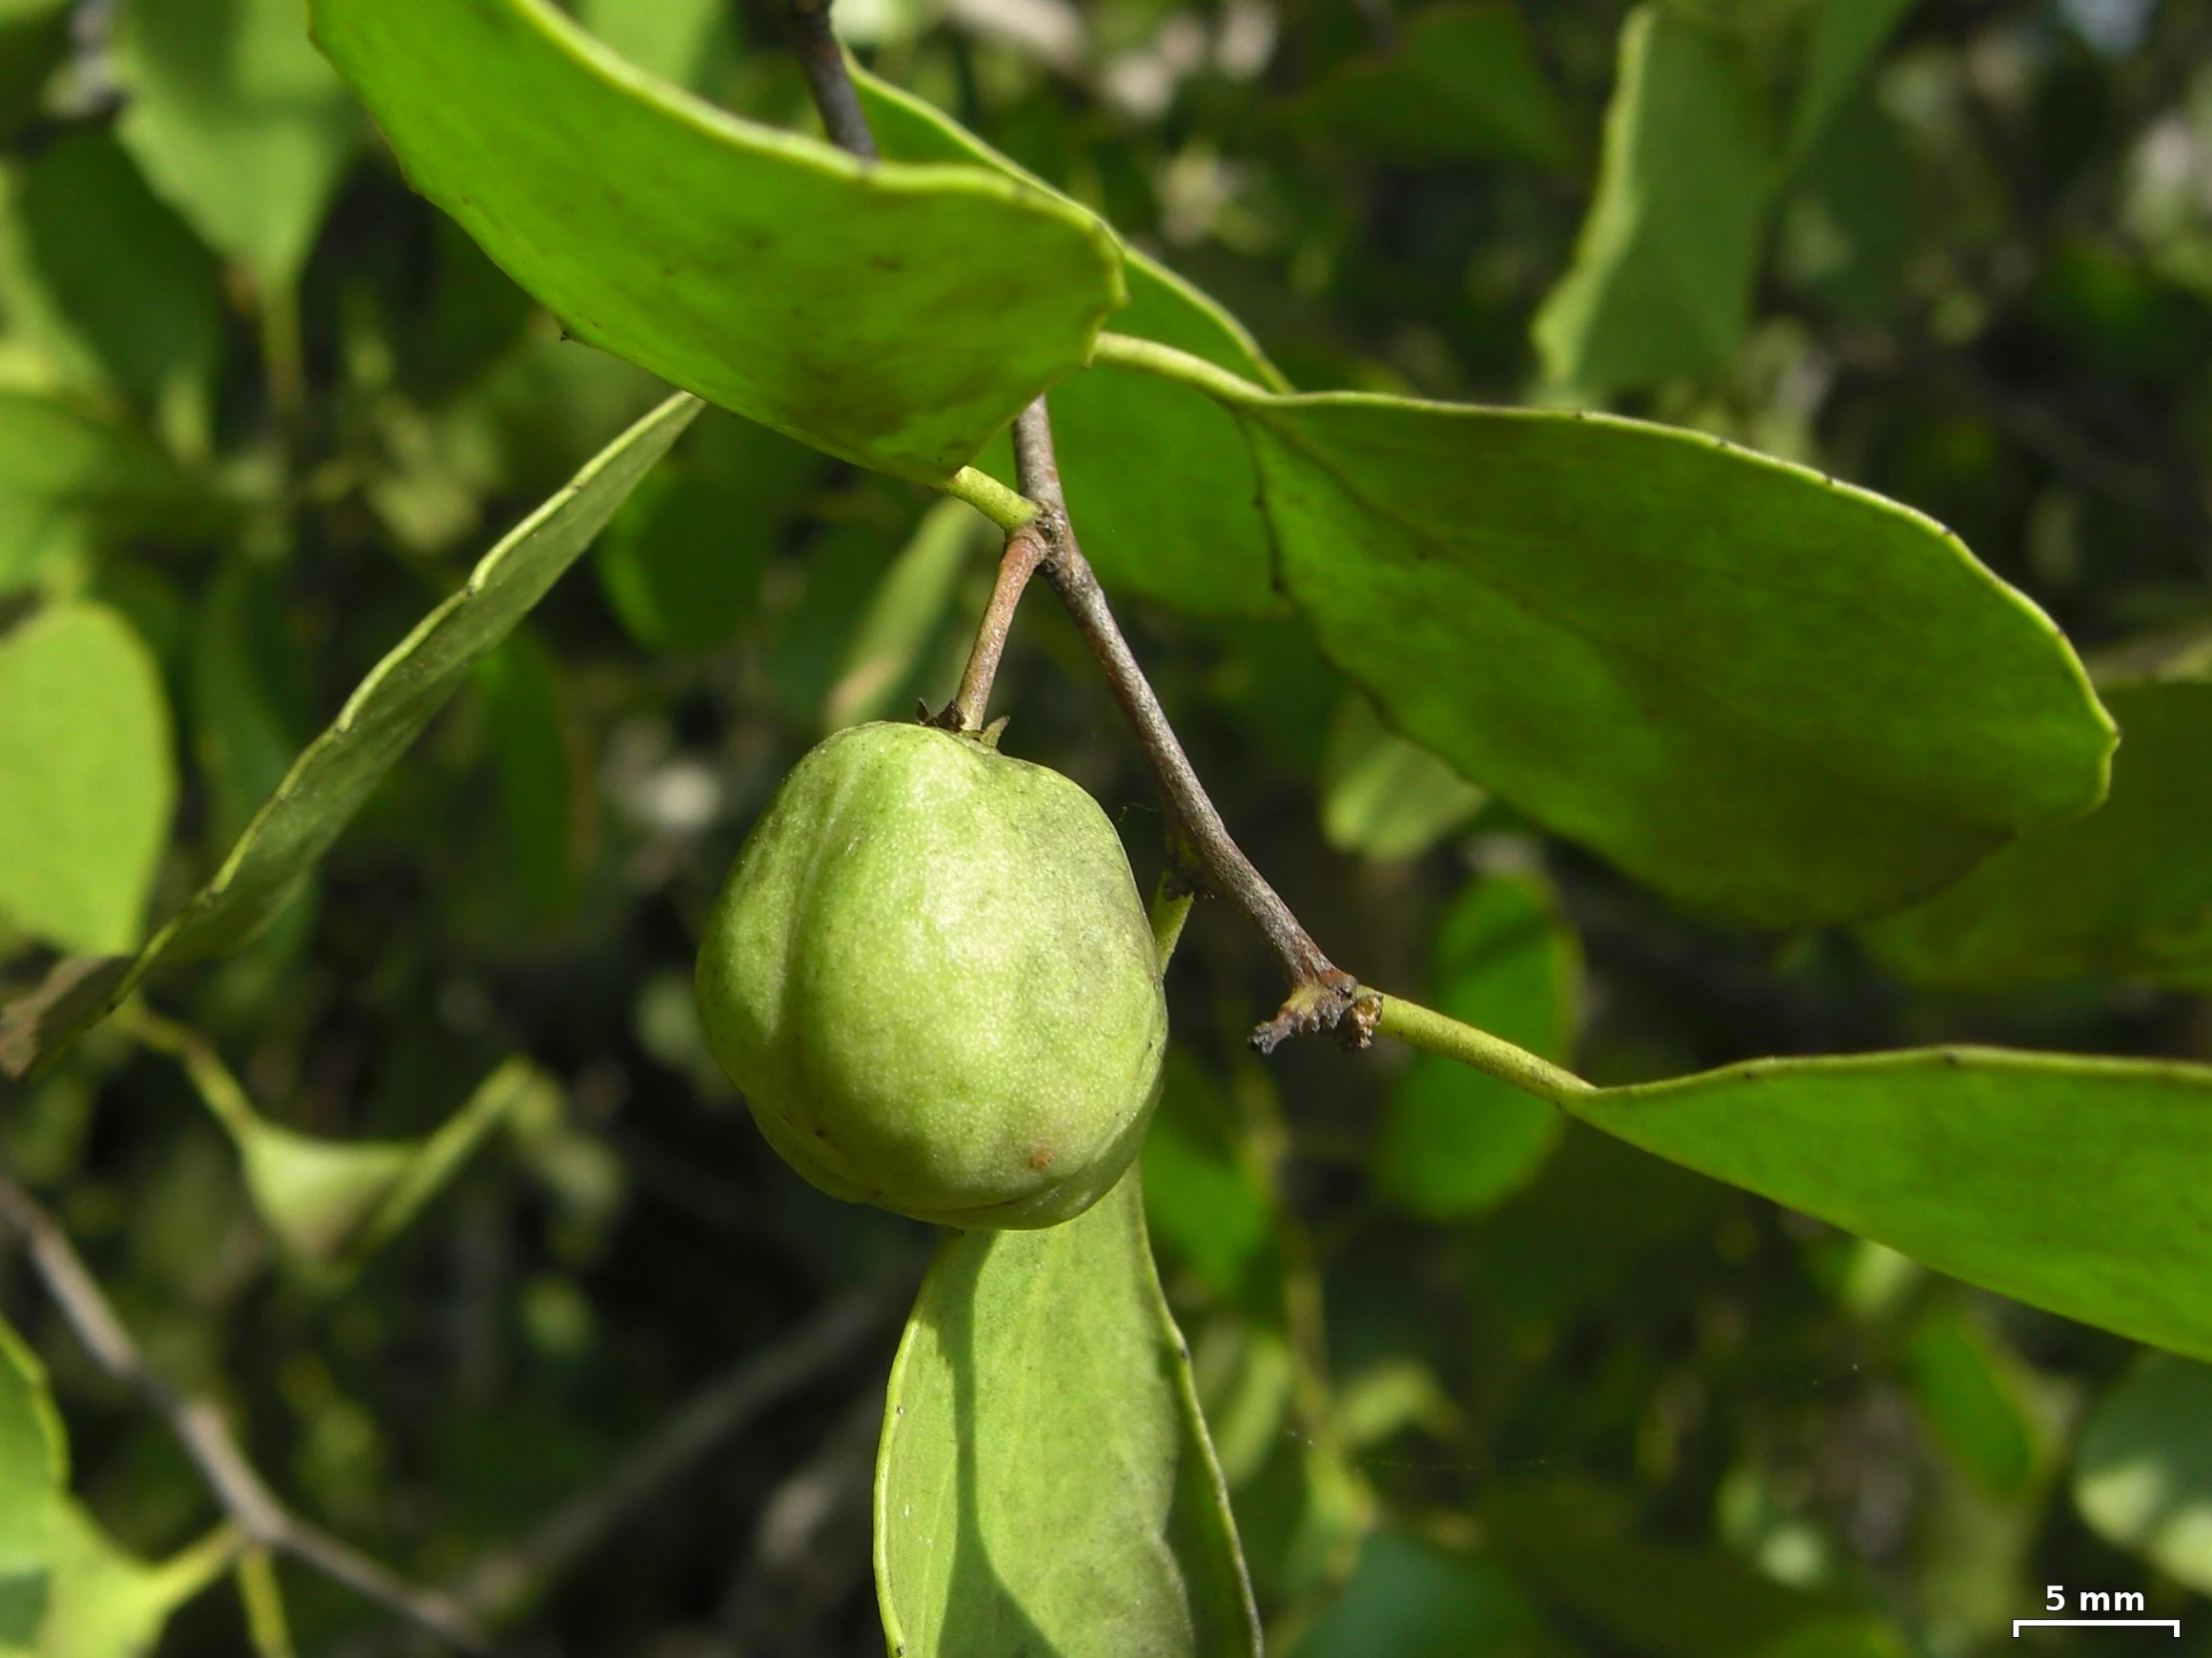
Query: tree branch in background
[501, 1585]
[200, 1426]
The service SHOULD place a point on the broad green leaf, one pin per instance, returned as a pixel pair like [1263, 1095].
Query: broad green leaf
[1204, 1205]
[338, 771]
[1160, 485]
[1663, 275]
[906, 611]
[34, 39]
[1461, 83]
[1455, 1142]
[1045, 1484]
[123, 273]
[2143, 1469]
[1411, 1599]
[1967, 1389]
[894, 315]
[87, 780]
[2078, 1185]
[2127, 890]
[1382, 796]
[1841, 38]
[71, 477]
[238, 123]
[1764, 692]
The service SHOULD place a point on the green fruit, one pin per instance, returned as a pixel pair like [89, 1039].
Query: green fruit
[932, 975]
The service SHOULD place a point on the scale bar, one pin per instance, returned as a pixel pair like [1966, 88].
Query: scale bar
[2019, 1624]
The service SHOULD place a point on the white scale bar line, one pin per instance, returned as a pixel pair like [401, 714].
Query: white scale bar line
[2019, 1624]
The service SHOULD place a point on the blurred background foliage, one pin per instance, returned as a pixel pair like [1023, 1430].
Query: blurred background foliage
[1481, 1383]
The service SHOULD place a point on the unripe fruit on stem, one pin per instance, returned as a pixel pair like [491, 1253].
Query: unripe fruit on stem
[931, 974]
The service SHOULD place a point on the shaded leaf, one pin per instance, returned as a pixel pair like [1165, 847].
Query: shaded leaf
[1382, 796]
[766, 272]
[71, 477]
[539, 797]
[1663, 275]
[1455, 1142]
[238, 123]
[126, 276]
[2125, 890]
[1765, 693]
[240, 739]
[684, 559]
[1411, 1599]
[1202, 1204]
[1966, 1388]
[1841, 38]
[34, 1460]
[2077, 1185]
[1461, 83]
[2143, 1471]
[1159, 483]
[87, 783]
[338, 771]
[107, 1603]
[1045, 1482]
[907, 611]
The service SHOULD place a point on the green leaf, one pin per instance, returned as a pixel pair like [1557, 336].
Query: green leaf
[1841, 38]
[1204, 1204]
[239, 124]
[334, 1203]
[34, 1464]
[1453, 1141]
[71, 477]
[1045, 1482]
[123, 273]
[1747, 684]
[895, 316]
[107, 1603]
[537, 828]
[2073, 1184]
[1382, 796]
[66, 1589]
[682, 562]
[87, 781]
[1967, 1387]
[240, 741]
[1159, 483]
[906, 611]
[1411, 1599]
[1461, 83]
[341, 769]
[2125, 890]
[1663, 275]
[2143, 1471]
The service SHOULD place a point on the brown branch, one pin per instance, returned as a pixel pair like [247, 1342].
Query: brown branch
[504, 1582]
[1321, 993]
[806, 23]
[1024, 549]
[200, 1426]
